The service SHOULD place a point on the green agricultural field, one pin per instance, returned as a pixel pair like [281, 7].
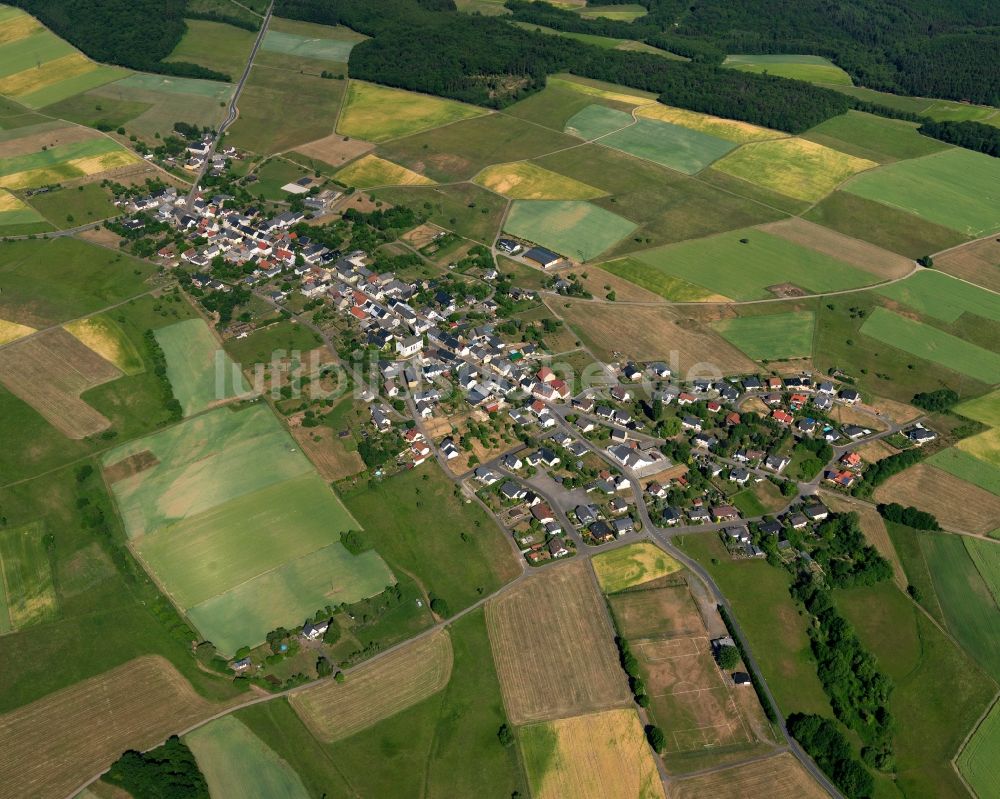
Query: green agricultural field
[967, 467]
[98, 110]
[54, 156]
[31, 51]
[69, 207]
[688, 151]
[873, 137]
[98, 75]
[794, 167]
[938, 694]
[48, 282]
[667, 286]
[985, 409]
[811, 68]
[986, 556]
[460, 150]
[979, 762]
[595, 121]
[891, 228]
[305, 47]
[288, 594]
[467, 209]
[198, 368]
[667, 205]
[277, 340]
[523, 180]
[215, 45]
[105, 336]
[726, 266]
[236, 763]
[63, 162]
[379, 113]
[940, 296]
[758, 594]
[370, 171]
[934, 345]
[555, 105]
[957, 188]
[965, 597]
[579, 230]
[200, 464]
[208, 554]
[417, 523]
[275, 173]
[260, 130]
[771, 338]
[17, 218]
[27, 592]
[625, 13]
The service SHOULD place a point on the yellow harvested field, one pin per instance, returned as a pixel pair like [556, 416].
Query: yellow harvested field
[778, 777]
[632, 565]
[104, 337]
[59, 69]
[75, 168]
[49, 372]
[985, 446]
[12, 331]
[976, 262]
[93, 164]
[794, 167]
[334, 149]
[618, 94]
[377, 690]
[887, 265]
[728, 129]
[378, 113]
[657, 609]
[957, 504]
[49, 747]
[523, 180]
[371, 171]
[554, 647]
[17, 27]
[874, 451]
[873, 526]
[598, 756]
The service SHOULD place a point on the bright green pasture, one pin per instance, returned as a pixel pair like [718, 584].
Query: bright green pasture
[726, 266]
[71, 87]
[812, 68]
[986, 556]
[293, 44]
[237, 764]
[940, 296]
[289, 594]
[957, 188]
[198, 368]
[686, 150]
[202, 463]
[969, 607]
[52, 281]
[774, 337]
[979, 762]
[933, 345]
[874, 137]
[596, 120]
[75, 205]
[59, 154]
[23, 215]
[27, 583]
[985, 409]
[579, 230]
[969, 468]
[36, 48]
[216, 550]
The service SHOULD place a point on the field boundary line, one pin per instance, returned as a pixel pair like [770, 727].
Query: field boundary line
[975, 728]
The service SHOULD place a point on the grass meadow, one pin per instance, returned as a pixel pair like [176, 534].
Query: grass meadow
[27, 592]
[215, 45]
[48, 282]
[105, 337]
[956, 188]
[932, 344]
[77, 205]
[578, 230]
[939, 691]
[293, 44]
[969, 607]
[873, 137]
[469, 210]
[64, 162]
[596, 120]
[811, 68]
[199, 370]
[742, 264]
[17, 218]
[979, 761]
[379, 113]
[940, 296]
[633, 565]
[771, 338]
[686, 150]
[968, 467]
[236, 763]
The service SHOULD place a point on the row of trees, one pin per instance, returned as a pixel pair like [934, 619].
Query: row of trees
[830, 749]
[167, 772]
